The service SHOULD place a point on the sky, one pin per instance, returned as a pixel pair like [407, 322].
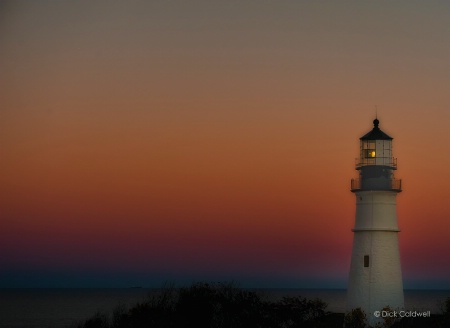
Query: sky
[152, 141]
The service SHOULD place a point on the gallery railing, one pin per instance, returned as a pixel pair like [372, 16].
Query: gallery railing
[389, 184]
[387, 161]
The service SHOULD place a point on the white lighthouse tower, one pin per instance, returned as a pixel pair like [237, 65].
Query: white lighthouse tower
[375, 279]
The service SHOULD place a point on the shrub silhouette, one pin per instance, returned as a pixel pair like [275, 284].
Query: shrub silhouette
[214, 305]
[196, 306]
[446, 313]
[157, 311]
[223, 305]
[355, 319]
[299, 312]
[219, 305]
[98, 320]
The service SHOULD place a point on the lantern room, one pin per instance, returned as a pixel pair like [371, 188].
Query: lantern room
[375, 163]
[376, 149]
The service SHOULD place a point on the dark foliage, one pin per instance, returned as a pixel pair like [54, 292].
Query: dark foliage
[220, 305]
[296, 312]
[223, 305]
[98, 320]
[355, 319]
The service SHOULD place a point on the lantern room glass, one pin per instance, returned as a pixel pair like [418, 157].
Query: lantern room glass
[376, 152]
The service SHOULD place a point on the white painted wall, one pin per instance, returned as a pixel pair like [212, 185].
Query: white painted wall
[375, 234]
[376, 210]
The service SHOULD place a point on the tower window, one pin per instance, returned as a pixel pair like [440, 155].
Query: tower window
[366, 261]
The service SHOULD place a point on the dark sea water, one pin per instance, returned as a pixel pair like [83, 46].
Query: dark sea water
[59, 308]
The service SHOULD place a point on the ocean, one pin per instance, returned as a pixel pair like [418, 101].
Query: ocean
[64, 308]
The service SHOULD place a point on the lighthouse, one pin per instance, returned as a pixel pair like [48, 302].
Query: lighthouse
[375, 278]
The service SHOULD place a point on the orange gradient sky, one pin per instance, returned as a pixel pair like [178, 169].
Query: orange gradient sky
[146, 141]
